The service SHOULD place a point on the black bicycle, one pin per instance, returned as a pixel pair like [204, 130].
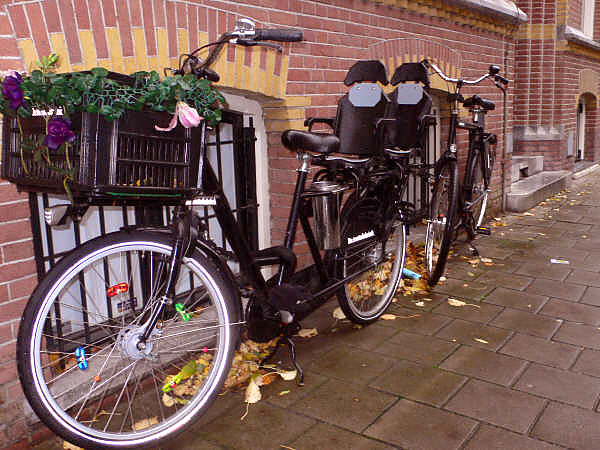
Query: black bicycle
[131, 336]
[453, 207]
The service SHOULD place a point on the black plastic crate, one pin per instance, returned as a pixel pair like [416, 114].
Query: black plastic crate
[121, 159]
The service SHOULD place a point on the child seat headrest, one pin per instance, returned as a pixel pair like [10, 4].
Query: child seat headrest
[411, 72]
[409, 94]
[368, 70]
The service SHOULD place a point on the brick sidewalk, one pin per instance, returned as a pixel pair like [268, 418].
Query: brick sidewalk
[519, 370]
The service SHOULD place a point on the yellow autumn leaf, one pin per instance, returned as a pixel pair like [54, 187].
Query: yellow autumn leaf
[69, 446]
[253, 394]
[338, 314]
[307, 332]
[388, 317]
[483, 341]
[288, 375]
[145, 423]
[282, 393]
[486, 260]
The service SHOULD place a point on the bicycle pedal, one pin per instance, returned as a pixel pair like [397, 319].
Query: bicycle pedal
[483, 230]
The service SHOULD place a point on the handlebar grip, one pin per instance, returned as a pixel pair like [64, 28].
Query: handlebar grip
[279, 35]
[501, 79]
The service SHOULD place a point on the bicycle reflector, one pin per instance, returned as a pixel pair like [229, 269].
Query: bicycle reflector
[117, 289]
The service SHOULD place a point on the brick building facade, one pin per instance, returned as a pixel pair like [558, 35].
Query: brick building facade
[545, 52]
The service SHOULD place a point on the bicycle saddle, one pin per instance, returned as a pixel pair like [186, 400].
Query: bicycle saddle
[476, 100]
[306, 140]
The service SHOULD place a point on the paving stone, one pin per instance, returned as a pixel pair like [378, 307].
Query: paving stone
[466, 333]
[419, 427]
[578, 334]
[324, 436]
[509, 280]
[588, 363]
[366, 338]
[416, 382]
[460, 288]
[351, 364]
[230, 431]
[560, 385]
[551, 288]
[270, 393]
[415, 321]
[489, 250]
[570, 226]
[552, 271]
[486, 365]
[591, 296]
[526, 323]
[569, 426]
[525, 301]
[497, 405]
[575, 312]
[584, 277]
[427, 350]
[473, 311]
[464, 271]
[492, 438]
[347, 405]
[186, 441]
[540, 350]
[429, 300]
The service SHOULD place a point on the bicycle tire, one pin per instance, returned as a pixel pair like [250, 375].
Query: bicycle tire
[365, 298]
[440, 227]
[118, 400]
[475, 178]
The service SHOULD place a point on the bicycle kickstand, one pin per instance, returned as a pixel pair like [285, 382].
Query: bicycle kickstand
[286, 338]
[292, 350]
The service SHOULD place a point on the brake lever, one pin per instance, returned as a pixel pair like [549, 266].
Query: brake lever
[252, 43]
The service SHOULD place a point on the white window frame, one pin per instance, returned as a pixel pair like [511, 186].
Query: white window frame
[587, 17]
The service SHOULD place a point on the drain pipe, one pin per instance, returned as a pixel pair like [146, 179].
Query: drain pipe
[504, 134]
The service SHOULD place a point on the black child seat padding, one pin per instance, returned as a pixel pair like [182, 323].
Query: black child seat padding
[409, 104]
[371, 70]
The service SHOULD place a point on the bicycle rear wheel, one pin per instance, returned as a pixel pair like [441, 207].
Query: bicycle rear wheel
[478, 193]
[376, 256]
[440, 226]
[79, 361]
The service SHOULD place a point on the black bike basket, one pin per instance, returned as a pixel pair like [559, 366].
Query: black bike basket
[124, 159]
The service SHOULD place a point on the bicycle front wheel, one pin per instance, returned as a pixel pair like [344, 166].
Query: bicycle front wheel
[478, 193]
[80, 360]
[376, 261]
[440, 224]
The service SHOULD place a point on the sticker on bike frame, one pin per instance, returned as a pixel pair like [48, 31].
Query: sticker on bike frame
[117, 289]
[81, 359]
[360, 237]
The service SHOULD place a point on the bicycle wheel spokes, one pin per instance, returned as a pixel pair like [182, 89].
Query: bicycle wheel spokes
[90, 364]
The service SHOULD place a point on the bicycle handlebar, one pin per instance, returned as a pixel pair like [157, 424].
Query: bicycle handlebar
[493, 72]
[278, 35]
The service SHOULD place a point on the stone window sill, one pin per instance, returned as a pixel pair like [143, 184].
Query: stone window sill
[577, 37]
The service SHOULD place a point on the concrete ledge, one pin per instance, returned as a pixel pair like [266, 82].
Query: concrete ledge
[586, 171]
[503, 9]
[527, 193]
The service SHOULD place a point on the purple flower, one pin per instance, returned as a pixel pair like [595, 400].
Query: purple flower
[59, 131]
[11, 89]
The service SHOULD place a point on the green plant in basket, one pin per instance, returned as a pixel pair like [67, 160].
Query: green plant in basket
[56, 96]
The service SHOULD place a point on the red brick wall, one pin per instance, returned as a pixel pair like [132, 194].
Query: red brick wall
[336, 34]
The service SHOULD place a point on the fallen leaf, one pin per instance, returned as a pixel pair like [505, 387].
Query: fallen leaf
[307, 332]
[69, 446]
[443, 278]
[486, 260]
[168, 401]
[338, 314]
[145, 423]
[282, 393]
[420, 303]
[388, 317]
[459, 303]
[471, 274]
[288, 375]
[483, 341]
[527, 214]
[253, 394]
